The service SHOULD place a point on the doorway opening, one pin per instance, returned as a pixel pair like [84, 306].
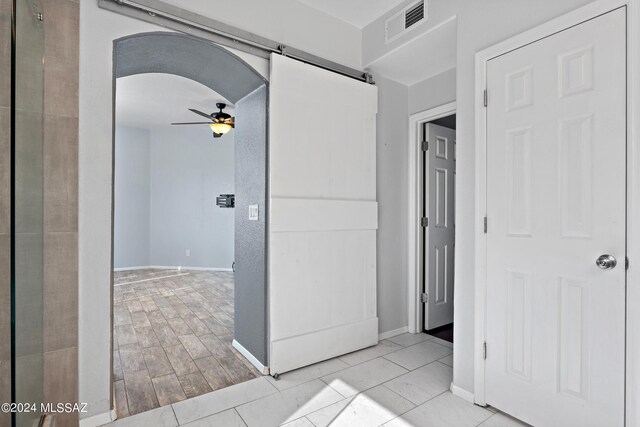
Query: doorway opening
[438, 170]
[432, 159]
[189, 282]
[173, 246]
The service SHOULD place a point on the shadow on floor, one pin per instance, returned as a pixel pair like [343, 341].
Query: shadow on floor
[443, 332]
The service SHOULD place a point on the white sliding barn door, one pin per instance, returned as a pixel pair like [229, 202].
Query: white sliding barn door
[556, 144]
[323, 215]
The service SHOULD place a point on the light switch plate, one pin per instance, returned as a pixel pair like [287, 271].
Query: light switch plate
[253, 213]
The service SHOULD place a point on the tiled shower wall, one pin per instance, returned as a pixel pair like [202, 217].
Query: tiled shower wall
[60, 156]
[5, 175]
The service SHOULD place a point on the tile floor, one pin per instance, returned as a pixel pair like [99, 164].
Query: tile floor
[172, 338]
[403, 381]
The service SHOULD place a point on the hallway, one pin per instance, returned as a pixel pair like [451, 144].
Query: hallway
[172, 337]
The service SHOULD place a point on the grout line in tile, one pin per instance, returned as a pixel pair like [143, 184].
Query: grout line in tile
[408, 370]
[174, 411]
[441, 362]
[398, 394]
[235, 408]
[367, 389]
[416, 406]
[126, 397]
[352, 398]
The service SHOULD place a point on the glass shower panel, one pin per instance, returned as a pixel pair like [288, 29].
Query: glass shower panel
[27, 280]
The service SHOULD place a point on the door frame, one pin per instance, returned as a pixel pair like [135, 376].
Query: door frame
[590, 11]
[416, 120]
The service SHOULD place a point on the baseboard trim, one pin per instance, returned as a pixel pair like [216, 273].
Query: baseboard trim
[144, 267]
[393, 333]
[250, 357]
[171, 267]
[99, 420]
[462, 393]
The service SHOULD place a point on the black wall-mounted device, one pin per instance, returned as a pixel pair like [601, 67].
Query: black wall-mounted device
[226, 201]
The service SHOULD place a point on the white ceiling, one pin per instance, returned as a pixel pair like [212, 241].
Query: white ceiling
[156, 100]
[358, 13]
[438, 54]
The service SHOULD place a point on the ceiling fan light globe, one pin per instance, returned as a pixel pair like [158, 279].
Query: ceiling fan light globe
[220, 128]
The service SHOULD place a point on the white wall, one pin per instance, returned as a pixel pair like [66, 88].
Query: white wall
[132, 198]
[480, 24]
[395, 103]
[98, 29]
[439, 11]
[392, 134]
[433, 92]
[289, 22]
[189, 169]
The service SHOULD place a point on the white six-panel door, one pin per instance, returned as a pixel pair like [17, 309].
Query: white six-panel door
[440, 231]
[323, 215]
[556, 141]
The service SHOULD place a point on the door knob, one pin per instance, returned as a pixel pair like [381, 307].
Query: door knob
[606, 262]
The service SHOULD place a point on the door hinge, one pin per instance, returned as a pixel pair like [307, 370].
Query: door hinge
[485, 225]
[484, 350]
[424, 298]
[425, 146]
[626, 263]
[424, 222]
[486, 98]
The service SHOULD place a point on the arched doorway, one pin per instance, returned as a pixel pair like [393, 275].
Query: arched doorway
[223, 72]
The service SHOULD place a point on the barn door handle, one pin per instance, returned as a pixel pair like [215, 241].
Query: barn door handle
[606, 262]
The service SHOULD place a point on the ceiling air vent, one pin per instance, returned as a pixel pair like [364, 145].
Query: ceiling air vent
[414, 15]
[407, 18]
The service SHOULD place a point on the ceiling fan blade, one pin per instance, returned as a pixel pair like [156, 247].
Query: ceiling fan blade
[192, 123]
[208, 116]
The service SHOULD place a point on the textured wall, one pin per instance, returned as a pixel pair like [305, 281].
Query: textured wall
[60, 157]
[189, 57]
[251, 178]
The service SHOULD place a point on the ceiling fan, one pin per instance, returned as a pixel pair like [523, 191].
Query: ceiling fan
[220, 122]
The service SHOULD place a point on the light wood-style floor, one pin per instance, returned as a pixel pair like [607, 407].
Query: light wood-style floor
[172, 337]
